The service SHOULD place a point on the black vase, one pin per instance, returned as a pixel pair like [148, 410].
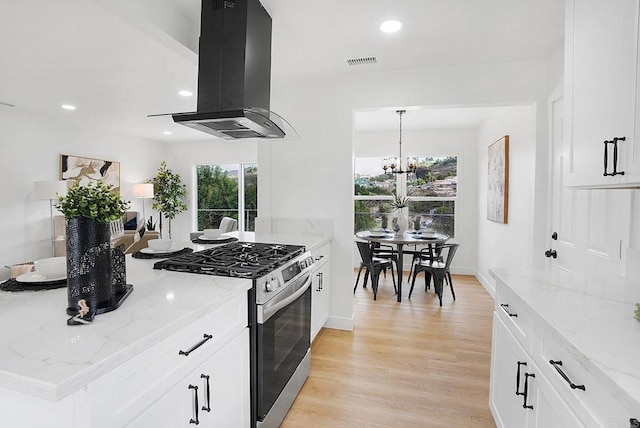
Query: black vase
[88, 264]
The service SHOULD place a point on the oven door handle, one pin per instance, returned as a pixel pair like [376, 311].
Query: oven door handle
[270, 309]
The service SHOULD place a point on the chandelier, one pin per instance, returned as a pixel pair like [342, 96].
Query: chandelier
[393, 165]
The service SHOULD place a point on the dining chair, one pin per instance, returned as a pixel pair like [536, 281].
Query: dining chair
[227, 224]
[373, 267]
[383, 251]
[436, 263]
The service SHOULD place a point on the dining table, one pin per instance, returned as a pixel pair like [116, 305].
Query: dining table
[417, 238]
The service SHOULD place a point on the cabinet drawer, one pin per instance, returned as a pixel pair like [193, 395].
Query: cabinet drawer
[596, 405]
[321, 254]
[136, 384]
[516, 316]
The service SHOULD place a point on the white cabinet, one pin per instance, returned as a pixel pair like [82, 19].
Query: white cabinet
[509, 363]
[154, 385]
[213, 395]
[151, 389]
[549, 410]
[519, 393]
[320, 289]
[601, 93]
[539, 379]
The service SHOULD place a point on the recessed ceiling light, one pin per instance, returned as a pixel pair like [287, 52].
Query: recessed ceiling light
[167, 132]
[68, 107]
[185, 93]
[390, 26]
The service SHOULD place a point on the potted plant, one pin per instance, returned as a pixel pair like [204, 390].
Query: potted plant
[88, 211]
[169, 195]
[400, 221]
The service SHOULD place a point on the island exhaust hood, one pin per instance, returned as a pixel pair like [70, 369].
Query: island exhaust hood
[234, 73]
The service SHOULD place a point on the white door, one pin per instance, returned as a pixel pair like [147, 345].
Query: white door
[562, 231]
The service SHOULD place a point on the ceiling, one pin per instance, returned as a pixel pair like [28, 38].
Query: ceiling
[119, 61]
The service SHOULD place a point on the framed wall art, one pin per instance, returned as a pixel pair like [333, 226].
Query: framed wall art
[84, 170]
[498, 181]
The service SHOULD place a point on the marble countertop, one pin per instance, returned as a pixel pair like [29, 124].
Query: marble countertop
[43, 357]
[595, 315]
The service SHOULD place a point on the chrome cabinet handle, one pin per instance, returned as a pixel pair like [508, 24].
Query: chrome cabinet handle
[207, 406]
[556, 365]
[196, 346]
[195, 406]
[505, 307]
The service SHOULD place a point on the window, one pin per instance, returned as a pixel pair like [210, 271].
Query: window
[227, 191]
[432, 190]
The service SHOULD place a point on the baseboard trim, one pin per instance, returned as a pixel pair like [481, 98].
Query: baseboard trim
[486, 283]
[340, 323]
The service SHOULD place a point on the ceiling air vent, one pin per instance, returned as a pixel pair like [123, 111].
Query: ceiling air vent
[362, 61]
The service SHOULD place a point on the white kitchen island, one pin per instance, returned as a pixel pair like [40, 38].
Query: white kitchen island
[125, 369]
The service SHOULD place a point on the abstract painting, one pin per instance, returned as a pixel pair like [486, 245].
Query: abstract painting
[84, 170]
[498, 181]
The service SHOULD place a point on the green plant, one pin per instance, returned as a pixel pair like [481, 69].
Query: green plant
[95, 201]
[169, 194]
[400, 202]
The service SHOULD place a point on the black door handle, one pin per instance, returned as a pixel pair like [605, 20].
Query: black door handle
[551, 253]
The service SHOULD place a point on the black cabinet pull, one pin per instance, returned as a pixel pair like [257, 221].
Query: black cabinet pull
[207, 402]
[195, 421]
[526, 391]
[196, 346]
[505, 307]
[614, 142]
[556, 365]
[520, 363]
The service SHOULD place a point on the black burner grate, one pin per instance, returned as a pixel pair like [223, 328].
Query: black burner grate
[238, 259]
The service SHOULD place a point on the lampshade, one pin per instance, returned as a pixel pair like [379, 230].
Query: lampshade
[143, 190]
[47, 189]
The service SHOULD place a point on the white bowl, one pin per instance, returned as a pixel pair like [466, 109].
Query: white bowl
[211, 233]
[159, 244]
[52, 267]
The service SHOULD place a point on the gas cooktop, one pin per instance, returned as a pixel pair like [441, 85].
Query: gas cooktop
[237, 259]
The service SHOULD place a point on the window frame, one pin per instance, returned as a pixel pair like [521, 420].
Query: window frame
[241, 210]
[402, 187]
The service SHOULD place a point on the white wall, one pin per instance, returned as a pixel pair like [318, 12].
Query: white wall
[508, 245]
[313, 177]
[437, 142]
[31, 152]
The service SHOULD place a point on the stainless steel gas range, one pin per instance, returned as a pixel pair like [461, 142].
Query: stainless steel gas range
[279, 316]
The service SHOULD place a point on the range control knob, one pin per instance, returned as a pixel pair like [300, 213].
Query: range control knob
[272, 284]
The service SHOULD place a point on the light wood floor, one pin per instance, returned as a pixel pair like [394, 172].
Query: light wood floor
[408, 364]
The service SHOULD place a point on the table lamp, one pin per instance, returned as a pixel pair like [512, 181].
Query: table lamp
[143, 191]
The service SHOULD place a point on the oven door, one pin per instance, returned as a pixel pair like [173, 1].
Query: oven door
[283, 340]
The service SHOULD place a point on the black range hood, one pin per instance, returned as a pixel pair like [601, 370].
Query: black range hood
[234, 73]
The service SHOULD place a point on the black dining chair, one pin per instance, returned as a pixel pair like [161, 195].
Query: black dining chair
[436, 263]
[382, 251]
[373, 266]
